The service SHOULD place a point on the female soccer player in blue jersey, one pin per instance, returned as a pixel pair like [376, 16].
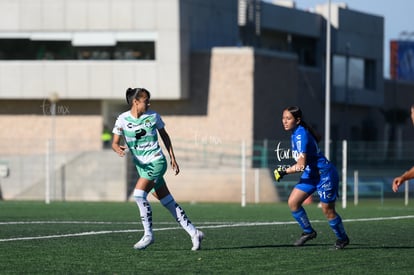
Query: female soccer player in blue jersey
[318, 174]
[139, 127]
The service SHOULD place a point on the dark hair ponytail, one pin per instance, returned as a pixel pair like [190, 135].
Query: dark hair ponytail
[297, 114]
[135, 93]
[130, 94]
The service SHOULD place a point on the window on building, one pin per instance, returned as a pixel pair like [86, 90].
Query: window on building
[26, 49]
[370, 73]
[304, 47]
[338, 71]
[353, 72]
[273, 40]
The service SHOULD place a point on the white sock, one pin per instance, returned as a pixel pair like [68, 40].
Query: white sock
[144, 210]
[179, 214]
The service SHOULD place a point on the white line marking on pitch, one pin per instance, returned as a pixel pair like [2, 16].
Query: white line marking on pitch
[217, 225]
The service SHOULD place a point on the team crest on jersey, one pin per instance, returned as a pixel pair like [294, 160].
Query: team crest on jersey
[147, 123]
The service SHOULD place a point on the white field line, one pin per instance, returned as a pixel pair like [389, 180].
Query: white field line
[87, 222]
[206, 226]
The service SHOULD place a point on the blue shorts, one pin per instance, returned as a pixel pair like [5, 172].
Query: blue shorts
[326, 184]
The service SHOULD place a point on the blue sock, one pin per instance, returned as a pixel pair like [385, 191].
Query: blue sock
[302, 218]
[338, 227]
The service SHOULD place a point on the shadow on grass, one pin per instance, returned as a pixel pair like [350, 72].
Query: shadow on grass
[379, 247]
[328, 246]
[268, 246]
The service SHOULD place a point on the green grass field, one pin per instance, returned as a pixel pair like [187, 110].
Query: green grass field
[97, 238]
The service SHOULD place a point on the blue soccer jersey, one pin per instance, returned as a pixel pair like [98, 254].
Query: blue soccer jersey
[319, 174]
[304, 143]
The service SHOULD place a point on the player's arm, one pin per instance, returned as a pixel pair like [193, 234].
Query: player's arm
[299, 166]
[119, 149]
[401, 179]
[168, 145]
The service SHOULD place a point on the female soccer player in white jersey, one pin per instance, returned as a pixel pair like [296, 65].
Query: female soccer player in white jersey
[139, 127]
[318, 174]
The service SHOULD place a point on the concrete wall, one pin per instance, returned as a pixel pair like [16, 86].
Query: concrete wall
[28, 134]
[77, 176]
[224, 121]
[156, 19]
[224, 110]
[207, 24]
[227, 118]
[275, 88]
[77, 79]
[280, 18]
[221, 185]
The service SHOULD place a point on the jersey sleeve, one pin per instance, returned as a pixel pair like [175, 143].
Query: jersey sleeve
[117, 130]
[159, 123]
[301, 141]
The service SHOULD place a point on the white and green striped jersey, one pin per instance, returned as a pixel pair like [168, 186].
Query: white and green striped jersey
[141, 135]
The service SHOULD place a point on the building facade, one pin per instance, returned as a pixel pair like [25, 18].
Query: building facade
[89, 52]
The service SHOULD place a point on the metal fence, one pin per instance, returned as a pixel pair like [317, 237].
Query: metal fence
[370, 165]
[29, 169]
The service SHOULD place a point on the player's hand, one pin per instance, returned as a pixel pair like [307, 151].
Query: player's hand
[122, 150]
[396, 183]
[175, 167]
[279, 173]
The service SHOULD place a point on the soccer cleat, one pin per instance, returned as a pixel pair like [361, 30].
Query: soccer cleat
[145, 241]
[196, 239]
[305, 237]
[340, 244]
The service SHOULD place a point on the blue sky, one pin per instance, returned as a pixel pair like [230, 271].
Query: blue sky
[398, 17]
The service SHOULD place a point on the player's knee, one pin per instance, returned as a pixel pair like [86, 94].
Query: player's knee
[294, 205]
[328, 210]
